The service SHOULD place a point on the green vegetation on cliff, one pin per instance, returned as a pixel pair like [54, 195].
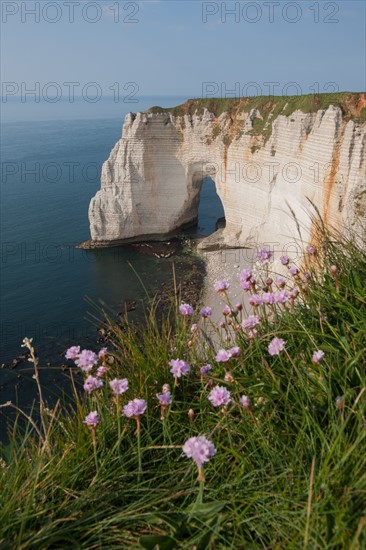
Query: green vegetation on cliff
[353, 105]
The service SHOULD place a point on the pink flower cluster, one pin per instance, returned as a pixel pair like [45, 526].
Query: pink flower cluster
[199, 449]
[224, 355]
[179, 368]
[219, 396]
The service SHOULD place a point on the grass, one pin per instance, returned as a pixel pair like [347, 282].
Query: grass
[288, 473]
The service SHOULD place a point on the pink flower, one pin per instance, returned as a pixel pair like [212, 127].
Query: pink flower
[186, 309]
[256, 300]
[264, 254]
[246, 285]
[199, 449]
[223, 356]
[226, 311]
[205, 370]
[282, 297]
[164, 398]
[206, 312]
[219, 396]
[86, 360]
[234, 352]
[73, 352]
[246, 402]
[136, 407]
[268, 298]
[221, 286]
[179, 368]
[284, 260]
[103, 352]
[311, 250]
[194, 328]
[91, 384]
[250, 323]
[293, 270]
[318, 356]
[92, 419]
[101, 371]
[281, 282]
[245, 275]
[276, 346]
[119, 386]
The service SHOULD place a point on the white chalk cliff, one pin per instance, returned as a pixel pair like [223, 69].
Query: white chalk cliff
[150, 185]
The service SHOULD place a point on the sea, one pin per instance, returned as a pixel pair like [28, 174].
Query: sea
[51, 160]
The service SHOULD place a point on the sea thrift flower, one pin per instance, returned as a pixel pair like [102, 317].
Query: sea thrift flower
[92, 419]
[264, 254]
[226, 311]
[293, 270]
[73, 352]
[179, 368]
[246, 285]
[252, 334]
[282, 296]
[199, 449]
[219, 396]
[136, 407]
[268, 298]
[206, 312]
[164, 398]
[194, 328]
[245, 275]
[311, 250]
[250, 323]
[294, 293]
[103, 352]
[234, 352]
[191, 415]
[317, 356]
[101, 371]
[239, 307]
[285, 260]
[186, 309]
[221, 286]
[333, 269]
[119, 386]
[166, 388]
[91, 384]
[246, 402]
[276, 346]
[281, 282]
[205, 370]
[86, 360]
[256, 300]
[223, 356]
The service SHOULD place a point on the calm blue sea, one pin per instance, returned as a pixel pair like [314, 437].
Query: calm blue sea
[50, 171]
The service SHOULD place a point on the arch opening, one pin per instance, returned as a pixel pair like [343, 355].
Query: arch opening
[211, 214]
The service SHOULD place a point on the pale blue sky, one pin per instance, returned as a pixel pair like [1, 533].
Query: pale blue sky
[170, 50]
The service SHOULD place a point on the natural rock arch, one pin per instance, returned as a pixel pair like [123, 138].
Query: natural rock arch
[151, 181]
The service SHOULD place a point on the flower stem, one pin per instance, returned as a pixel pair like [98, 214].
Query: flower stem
[138, 433]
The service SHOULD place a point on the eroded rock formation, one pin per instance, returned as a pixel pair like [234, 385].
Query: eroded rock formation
[267, 166]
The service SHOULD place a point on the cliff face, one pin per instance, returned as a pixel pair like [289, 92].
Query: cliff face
[151, 182]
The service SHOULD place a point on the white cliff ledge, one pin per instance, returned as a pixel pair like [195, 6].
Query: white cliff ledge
[268, 158]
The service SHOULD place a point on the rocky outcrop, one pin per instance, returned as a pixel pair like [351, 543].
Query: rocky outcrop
[266, 165]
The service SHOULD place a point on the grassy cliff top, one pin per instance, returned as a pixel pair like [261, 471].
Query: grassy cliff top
[353, 105]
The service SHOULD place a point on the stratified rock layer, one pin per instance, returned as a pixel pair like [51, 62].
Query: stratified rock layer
[151, 183]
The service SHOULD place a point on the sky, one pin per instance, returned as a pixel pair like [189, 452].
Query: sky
[181, 48]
